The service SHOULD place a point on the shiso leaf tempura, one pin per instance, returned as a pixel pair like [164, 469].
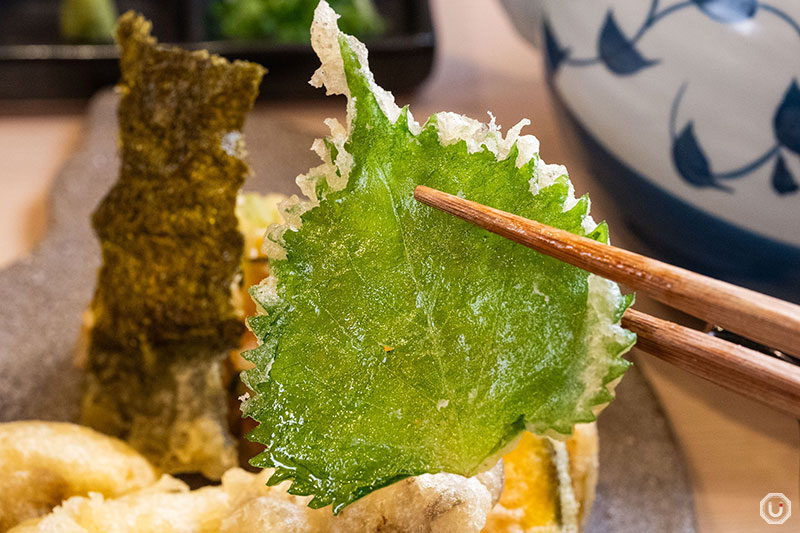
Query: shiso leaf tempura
[488, 338]
[163, 315]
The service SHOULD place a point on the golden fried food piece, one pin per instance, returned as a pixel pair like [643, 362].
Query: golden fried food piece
[98, 478]
[255, 213]
[549, 484]
[164, 507]
[530, 498]
[242, 503]
[253, 506]
[582, 448]
[438, 503]
[44, 463]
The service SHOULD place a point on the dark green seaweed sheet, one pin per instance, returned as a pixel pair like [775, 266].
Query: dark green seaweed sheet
[163, 315]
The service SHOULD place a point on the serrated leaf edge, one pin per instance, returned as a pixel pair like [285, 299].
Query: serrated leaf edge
[332, 175]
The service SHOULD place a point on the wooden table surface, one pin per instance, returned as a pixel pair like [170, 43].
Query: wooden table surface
[737, 450]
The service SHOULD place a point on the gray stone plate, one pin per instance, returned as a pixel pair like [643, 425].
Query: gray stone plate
[643, 481]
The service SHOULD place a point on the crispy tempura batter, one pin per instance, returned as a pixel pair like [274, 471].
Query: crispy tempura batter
[106, 486]
[44, 463]
[163, 315]
[441, 503]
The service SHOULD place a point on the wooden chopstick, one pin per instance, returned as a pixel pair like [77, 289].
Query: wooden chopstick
[768, 320]
[742, 370]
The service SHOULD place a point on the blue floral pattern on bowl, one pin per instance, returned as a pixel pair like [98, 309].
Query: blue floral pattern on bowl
[690, 110]
[619, 55]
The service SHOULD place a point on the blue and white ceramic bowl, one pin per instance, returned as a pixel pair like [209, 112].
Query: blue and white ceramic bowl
[691, 109]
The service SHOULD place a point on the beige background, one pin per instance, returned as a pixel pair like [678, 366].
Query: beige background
[737, 450]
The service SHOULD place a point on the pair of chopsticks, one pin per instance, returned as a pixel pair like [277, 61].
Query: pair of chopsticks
[767, 320]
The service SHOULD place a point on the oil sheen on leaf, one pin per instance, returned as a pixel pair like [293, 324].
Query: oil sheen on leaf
[488, 337]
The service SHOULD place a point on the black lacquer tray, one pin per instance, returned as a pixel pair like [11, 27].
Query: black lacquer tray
[35, 63]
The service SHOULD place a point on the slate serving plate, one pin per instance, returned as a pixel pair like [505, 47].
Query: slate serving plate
[643, 483]
[35, 63]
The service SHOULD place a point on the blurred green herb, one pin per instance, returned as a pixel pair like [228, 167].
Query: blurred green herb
[88, 21]
[290, 20]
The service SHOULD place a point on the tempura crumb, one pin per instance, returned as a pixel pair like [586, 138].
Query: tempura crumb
[440, 503]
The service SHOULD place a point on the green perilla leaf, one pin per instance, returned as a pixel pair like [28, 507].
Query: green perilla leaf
[397, 340]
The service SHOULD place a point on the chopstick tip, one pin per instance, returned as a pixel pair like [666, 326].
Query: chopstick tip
[431, 197]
